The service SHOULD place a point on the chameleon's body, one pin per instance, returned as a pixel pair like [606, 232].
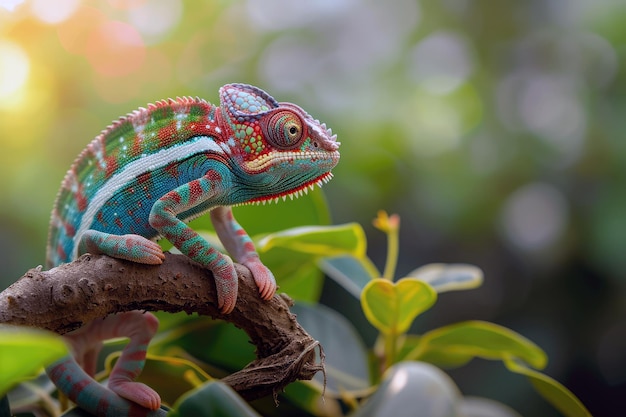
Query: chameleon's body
[149, 173]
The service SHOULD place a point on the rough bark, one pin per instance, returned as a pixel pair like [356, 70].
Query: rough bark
[64, 298]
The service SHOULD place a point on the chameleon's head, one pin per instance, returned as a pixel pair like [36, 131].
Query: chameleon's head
[283, 150]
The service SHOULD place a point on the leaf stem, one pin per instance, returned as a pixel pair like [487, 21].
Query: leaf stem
[391, 349]
[393, 246]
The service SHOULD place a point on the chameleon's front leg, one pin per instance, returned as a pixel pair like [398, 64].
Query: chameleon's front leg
[240, 246]
[163, 219]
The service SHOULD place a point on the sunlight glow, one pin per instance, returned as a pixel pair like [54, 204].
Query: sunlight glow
[54, 12]
[10, 5]
[14, 68]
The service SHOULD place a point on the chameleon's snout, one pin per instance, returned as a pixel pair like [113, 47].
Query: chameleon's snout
[324, 137]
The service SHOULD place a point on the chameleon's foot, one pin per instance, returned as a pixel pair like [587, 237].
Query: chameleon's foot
[263, 278]
[130, 247]
[226, 284]
[137, 392]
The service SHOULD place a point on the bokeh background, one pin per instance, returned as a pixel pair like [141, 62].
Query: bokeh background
[495, 129]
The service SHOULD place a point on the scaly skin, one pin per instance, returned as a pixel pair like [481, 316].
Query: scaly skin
[145, 177]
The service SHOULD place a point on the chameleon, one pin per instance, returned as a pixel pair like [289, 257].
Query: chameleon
[145, 177]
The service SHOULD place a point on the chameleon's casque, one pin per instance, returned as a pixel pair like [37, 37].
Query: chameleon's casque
[147, 175]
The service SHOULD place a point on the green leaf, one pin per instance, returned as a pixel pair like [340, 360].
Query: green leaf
[391, 307]
[442, 358]
[478, 339]
[449, 277]
[24, 351]
[292, 255]
[305, 397]
[217, 343]
[310, 209]
[318, 240]
[553, 391]
[350, 272]
[213, 399]
[346, 356]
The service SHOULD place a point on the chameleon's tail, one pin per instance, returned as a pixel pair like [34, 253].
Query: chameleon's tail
[79, 387]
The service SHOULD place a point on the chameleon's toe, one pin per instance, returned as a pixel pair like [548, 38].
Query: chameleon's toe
[263, 278]
[138, 393]
[144, 250]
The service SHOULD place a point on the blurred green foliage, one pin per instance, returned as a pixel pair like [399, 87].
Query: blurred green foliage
[495, 129]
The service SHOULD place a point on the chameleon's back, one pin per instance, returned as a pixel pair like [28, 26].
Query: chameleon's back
[110, 186]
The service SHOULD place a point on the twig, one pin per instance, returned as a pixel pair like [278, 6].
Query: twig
[66, 297]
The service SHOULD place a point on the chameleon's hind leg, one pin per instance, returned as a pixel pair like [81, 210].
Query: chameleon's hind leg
[139, 328]
[130, 247]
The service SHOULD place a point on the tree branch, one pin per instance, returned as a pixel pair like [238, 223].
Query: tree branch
[66, 297]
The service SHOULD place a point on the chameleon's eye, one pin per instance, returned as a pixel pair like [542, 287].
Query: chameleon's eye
[284, 129]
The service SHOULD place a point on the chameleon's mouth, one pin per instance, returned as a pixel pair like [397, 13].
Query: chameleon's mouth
[300, 191]
[322, 158]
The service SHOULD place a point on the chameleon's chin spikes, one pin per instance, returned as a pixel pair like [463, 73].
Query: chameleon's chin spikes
[276, 200]
[306, 190]
[291, 196]
[284, 198]
[311, 187]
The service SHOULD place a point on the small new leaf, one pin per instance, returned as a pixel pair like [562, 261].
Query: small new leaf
[392, 307]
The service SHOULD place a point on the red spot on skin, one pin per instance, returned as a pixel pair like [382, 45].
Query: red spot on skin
[167, 135]
[136, 149]
[172, 169]
[186, 235]
[77, 388]
[249, 247]
[144, 178]
[70, 231]
[213, 175]
[100, 218]
[195, 190]
[172, 197]
[195, 249]
[111, 166]
[61, 252]
[103, 406]
[118, 222]
[81, 200]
